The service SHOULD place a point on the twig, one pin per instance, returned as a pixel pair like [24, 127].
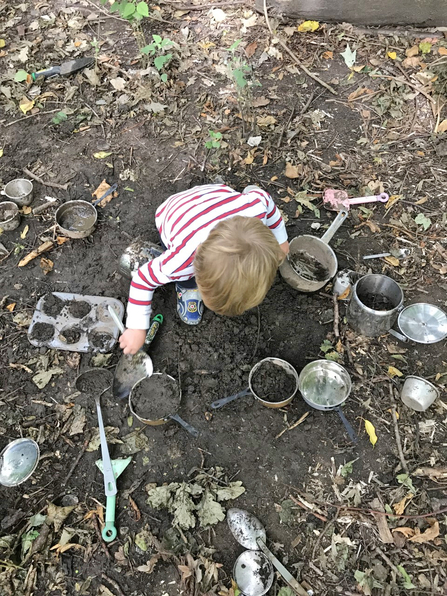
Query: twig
[292, 111]
[100, 538]
[31, 116]
[37, 179]
[387, 560]
[403, 32]
[325, 529]
[205, 6]
[113, 583]
[303, 506]
[294, 425]
[76, 461]
[404, 82]
[336, 317]
[396, 430]
[294, 56]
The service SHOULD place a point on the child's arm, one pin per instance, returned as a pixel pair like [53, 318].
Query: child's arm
[276, 223]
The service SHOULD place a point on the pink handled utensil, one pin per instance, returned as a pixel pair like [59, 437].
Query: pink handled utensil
[335, 200]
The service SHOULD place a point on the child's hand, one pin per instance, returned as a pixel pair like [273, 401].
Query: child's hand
[132, 340]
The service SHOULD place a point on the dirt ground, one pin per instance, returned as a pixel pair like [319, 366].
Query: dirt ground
[317, 510]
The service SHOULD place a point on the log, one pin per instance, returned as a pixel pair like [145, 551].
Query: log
[425, 13]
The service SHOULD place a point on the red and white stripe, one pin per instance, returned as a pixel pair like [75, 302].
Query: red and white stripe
[184, 221]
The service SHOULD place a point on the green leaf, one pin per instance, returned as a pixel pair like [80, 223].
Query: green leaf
[408, 584]
[143, 9]
[347, 468]
[20, 76]
[157, 39]
[60, 117]
[209, 144]
[234, 45]
[160, 61]
[164, 77]
[405, 480]
[239, 77]
[232, 491]
[425, 47]
[333, 356]
[115, 6]
[128, 10]
[27, 540]
[423, 221]
[326, 346]
[150, 49]
[286, 591]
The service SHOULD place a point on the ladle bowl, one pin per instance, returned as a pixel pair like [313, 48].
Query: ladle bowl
[18, 460]
[253, 573]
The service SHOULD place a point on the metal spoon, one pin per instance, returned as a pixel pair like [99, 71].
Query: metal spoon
[131, 368]
[109, 476]
[253, 573]
[250, 533]
[18, 460]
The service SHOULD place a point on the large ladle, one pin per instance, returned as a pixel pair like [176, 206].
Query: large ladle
[250, 533]
[131, 368]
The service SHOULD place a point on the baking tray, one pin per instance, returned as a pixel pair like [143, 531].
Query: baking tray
[77, 328]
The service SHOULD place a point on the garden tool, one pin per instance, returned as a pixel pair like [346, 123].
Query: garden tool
[118, 466]
[336, 200]
[67, 68]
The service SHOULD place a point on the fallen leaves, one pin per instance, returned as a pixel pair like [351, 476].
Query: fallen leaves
[26, 104]
[349, 56]
[266, 120]
[394, 372]
[293, 171]
[308, 26]
[46, 265]
[102, 154]
[415, 535]
[251, 49]
[101, 190]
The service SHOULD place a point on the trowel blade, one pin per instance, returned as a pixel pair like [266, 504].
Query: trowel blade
[74, 65]
[130, 370]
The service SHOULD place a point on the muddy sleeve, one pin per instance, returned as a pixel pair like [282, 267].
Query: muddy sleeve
[275, 221]
[144, 281]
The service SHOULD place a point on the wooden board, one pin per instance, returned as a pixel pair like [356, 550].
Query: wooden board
[426, 13]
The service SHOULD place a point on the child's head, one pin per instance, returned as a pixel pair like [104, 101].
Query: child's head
[236, 265]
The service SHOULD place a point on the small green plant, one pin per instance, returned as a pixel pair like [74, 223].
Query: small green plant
[214, 139]
[131, 10]
[239, 69]
[60, 117]
[157, 49]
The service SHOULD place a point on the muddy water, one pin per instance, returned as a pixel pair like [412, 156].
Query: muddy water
[308, 267]
[77, 219]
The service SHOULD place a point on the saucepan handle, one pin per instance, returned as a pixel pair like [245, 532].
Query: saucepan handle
[328, 235]
[192, 431]
[226, 400]
[347, 425]
[398, 335]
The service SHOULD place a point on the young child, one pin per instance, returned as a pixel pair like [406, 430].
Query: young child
[223, 249]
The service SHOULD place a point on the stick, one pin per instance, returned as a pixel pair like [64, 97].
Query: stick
[317, 515]
[292, 426]
[206, 6]
[76, 461]
[35, 253]
[31, 116]
[113, 583]
[294, 56]
[404, 82]
[37, 179]
[396, 431]
[336, 317]
[100, 538]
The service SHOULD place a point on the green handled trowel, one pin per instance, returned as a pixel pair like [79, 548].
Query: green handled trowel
[109, 531]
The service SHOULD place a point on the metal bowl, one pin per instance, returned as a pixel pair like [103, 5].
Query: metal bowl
[253, 573]
[289, 370]
[76, 219]
[418, 393]
[423, 323]
[18, 460]
[324, 384]
[10, 211]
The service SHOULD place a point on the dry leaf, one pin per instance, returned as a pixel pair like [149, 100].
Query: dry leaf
[46, 265]
[251, 49]
[119, 83]
[442, 127]
[292, 171]
[265, 120]
[26, 210]
[442, 51]
[392, 261]
[328, 55]
[394, 372]
[407, 532]
[430, 534]
[103, 188]
[399, 508]
[372, 226]
[413, 51]
[26, 104]
[24, 232]
[250, 158]
[260, 102]
[413, 62]
[185, 571]
[308, 26]
[392, 200]
[102, 154]
[11, 306]
[358, 92]
[61, 240]
[371, 431]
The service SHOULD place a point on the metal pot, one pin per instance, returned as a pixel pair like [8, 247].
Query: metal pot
[10, 211]
[20, 191]
[76, 219]
[316, 250]
[418, 393]
[376, 290]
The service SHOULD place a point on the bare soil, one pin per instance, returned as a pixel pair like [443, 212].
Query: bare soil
[272, 382]
[155, 397]
[42, 331]
[52, 305]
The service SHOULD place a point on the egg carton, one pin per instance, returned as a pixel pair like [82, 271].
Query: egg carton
[76, 327]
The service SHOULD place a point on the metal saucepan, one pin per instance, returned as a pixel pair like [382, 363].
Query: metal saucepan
[326, 385]
[311, 262]
[250, 533]
[76, 219]
[156, 421]
[421, 322]
[18, 460]
[249, 391]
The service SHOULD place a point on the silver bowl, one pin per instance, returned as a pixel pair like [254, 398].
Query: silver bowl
[18, 460]
[9, 216]
[253, 573]
[324, 384]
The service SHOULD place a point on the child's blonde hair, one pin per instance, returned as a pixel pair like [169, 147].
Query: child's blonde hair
[236, 265]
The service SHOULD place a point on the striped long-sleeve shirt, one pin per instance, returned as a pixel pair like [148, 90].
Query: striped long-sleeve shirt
[184, 221]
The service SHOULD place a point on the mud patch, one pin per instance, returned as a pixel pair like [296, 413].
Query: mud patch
[71, 335]
[42, 332]
[100, 340]
[79, 308]
[94, 382]
[155, 397]
[376, 301]
[52, 305]
[308, 267]
[272, 382]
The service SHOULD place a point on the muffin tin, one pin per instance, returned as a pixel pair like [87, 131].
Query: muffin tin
[92, 331]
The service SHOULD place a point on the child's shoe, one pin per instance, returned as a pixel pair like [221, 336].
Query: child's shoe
[189, 304]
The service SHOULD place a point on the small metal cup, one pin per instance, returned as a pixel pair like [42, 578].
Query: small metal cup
[85, 225]
[418, 393]
[20, 191]
[10, 211]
